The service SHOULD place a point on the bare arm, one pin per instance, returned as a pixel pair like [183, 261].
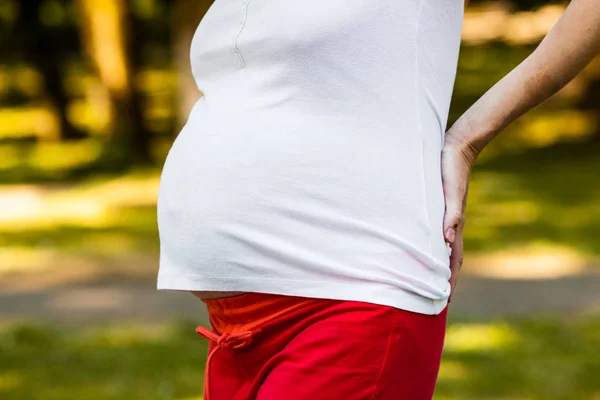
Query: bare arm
[569, 46]
[565, 51]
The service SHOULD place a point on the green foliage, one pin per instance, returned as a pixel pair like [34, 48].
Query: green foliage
[118, 362]
[545, 359]
[546, 194]
[548, 359]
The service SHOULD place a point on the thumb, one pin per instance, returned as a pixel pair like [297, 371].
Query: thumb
[454, 213]
[452, 220]
[455, 182]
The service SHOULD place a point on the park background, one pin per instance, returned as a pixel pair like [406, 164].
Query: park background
[92, 94]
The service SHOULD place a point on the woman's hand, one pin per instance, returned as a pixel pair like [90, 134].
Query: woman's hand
[569, 46]
[457, 161]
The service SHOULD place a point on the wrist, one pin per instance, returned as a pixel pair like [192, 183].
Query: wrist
[475, 128]
[463, 137]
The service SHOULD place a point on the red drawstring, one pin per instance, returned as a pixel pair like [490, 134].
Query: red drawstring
[236, 340]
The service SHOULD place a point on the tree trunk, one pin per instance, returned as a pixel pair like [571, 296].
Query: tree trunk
[140, 135]
[108, 34]
[187, 15]
[46, 48]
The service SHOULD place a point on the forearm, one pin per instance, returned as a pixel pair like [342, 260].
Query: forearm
[565, 51]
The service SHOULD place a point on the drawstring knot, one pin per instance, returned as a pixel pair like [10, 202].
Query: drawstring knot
[234, 340]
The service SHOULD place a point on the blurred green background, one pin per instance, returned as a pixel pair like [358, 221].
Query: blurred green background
[92, 94]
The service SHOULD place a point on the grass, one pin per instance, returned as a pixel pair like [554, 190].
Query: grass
[117, 362]
[536, 200]
[526, 359]
[546, 194]
[535, 359]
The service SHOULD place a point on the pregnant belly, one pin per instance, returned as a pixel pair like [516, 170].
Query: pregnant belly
[241, 183]
[216, 179]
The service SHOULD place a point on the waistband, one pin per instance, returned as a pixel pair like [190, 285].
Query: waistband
[246, 311]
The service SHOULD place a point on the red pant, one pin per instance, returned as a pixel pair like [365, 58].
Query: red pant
[273, 347]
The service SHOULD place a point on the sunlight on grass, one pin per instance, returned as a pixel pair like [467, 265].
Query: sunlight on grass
[534, 261]
[41, 224]
[74, 250]
[25, 259]
[129, 190]
[34, 207]
[469, 338]
[29, 208]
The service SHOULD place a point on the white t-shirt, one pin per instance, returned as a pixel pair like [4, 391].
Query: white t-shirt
[311, 165]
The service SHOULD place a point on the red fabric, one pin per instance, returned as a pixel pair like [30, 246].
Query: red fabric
[274, 347]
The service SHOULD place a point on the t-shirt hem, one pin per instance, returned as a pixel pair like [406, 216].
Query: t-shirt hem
[370, 292]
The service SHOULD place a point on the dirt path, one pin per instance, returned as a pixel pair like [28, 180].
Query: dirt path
[99, 295]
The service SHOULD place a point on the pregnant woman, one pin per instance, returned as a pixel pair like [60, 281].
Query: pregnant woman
[314, 200]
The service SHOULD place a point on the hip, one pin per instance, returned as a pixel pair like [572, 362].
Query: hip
[361, 350]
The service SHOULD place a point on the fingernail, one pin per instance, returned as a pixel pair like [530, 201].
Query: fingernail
[450, 233]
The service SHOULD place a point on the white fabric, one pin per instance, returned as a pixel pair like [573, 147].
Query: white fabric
[311, 165]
